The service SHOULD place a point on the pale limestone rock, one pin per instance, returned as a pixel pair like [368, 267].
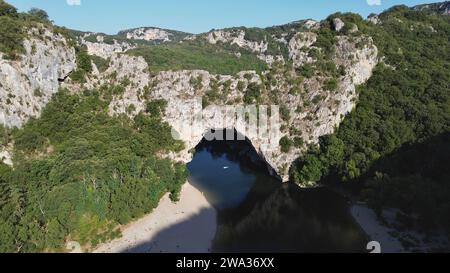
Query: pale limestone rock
[190, 38]
[338, 24]
[136, 70]
[27, 85]
[270, 59]
[236, 37]
[100, 38]
[374, 19]
[107, 50]
[299, 47]
[311, 24]
[6, 155]
[175, 87]
[149, 34]
[282, 39]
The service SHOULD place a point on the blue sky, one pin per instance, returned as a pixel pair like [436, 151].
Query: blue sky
[195, 16]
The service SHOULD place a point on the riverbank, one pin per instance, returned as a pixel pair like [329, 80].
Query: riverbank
[378, 232]
[393, 238]
[188, 226]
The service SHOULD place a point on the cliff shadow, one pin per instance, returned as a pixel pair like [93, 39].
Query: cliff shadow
[192, 235]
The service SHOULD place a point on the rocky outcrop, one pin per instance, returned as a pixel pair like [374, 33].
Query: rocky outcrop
[319, 111]
[439, 8]
[28, 84]
[270, 59]
[374, 19]
[149, 34]
[132, 68]
[236, 37]
[299, 47]
[311, 24]
[314, 113]
[6, 154]
[338, 24]
[104, 50]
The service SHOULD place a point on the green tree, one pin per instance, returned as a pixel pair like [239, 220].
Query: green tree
[39, 14]
[7, 9]
[11, 37]
[311, 170]
[285, 144]
[252, 94]
[55, 234]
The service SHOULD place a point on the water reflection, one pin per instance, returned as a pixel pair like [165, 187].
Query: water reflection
[257, 213]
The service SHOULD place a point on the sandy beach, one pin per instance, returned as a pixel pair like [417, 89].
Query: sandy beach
[395, 240]
[369, 222]
[188, 226]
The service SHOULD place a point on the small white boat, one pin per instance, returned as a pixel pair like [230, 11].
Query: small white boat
[226, 168]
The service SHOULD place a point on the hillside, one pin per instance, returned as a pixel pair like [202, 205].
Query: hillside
[439, 8]
[86, 118]
[395, 144]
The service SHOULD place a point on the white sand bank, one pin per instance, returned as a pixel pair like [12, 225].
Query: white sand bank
[368, 221]
[188, 226]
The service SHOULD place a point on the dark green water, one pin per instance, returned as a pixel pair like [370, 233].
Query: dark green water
[257, 213]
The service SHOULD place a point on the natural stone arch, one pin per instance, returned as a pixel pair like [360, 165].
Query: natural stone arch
[230, 134]
[192, 134]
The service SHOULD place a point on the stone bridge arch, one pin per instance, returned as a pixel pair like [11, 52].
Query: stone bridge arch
[191, 124]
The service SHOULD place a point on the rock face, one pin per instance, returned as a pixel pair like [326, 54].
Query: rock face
[325, 110]
[107, 50]
[338, 24]
[236, 37]
[27, 85]
[5, 155]
[440, 8]
[314, 110]
[299, 47]
[311, 24]
[149, 34]
[374, 19]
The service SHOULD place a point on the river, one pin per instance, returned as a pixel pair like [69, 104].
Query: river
[258, 213]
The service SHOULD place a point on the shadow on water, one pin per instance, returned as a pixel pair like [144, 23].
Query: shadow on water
[256, 212]
[290, 220]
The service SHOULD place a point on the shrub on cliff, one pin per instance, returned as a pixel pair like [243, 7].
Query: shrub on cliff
[403, 105]
[11, 37]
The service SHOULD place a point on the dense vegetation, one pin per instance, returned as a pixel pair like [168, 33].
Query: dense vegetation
[78, 173]
[13, 27]
[405, 105]
[191, 55]
[84, 65]
[10, 31]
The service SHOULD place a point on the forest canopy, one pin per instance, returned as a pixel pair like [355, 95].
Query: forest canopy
[406, 103]
[79, 173]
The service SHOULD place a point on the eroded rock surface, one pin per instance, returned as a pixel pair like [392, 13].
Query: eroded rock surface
[27, 85]
[313, 110]
[323, 112]
[149, 34]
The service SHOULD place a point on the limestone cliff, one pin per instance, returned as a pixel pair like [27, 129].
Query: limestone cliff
[313, 113]
[27, 85]
[311, 108]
